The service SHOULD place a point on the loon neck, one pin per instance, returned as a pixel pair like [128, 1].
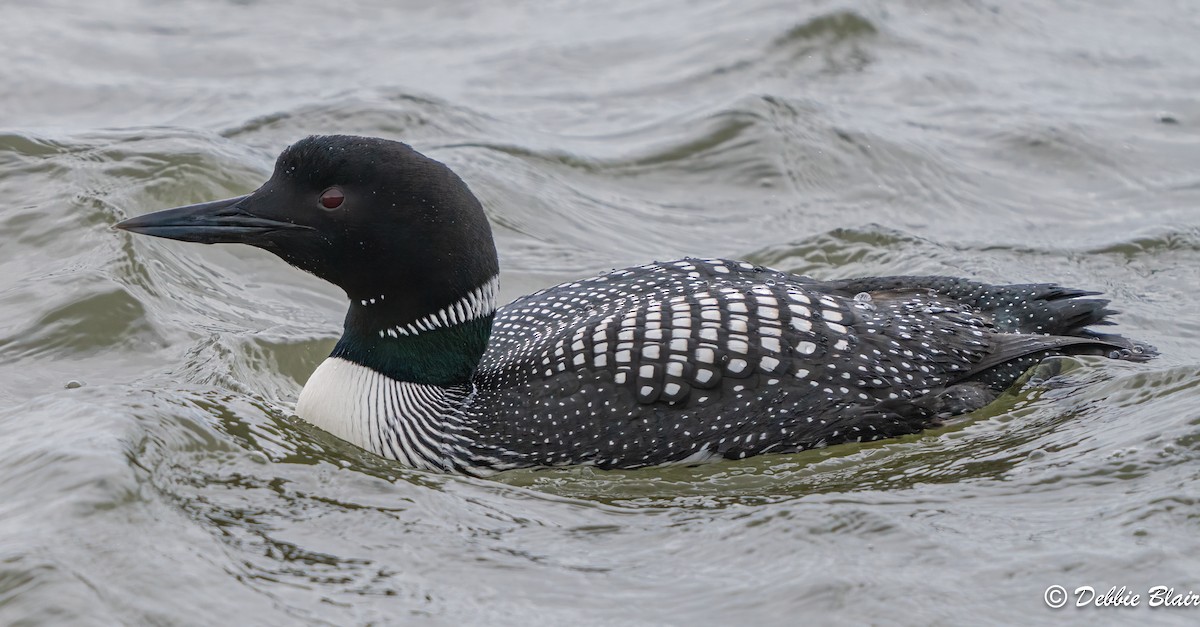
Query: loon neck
[442, 347]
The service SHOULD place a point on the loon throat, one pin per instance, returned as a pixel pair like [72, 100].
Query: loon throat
[673, 362]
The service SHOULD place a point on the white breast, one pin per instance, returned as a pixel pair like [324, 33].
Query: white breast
[394, 419]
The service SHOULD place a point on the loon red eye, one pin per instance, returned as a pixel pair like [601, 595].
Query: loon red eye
[332, 198]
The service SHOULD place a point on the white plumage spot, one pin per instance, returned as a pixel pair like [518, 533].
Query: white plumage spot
[806, 347]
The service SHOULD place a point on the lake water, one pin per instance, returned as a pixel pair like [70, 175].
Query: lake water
[152, 472]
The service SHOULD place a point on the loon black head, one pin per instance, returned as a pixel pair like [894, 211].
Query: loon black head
[399, 232]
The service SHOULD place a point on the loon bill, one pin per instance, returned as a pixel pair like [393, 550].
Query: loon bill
[675, 362]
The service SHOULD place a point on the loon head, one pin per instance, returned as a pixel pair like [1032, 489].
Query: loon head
[399, 232]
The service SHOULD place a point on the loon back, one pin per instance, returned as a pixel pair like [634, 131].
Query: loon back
[665, 363]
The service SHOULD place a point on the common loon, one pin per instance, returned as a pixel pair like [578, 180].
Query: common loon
[676, 362]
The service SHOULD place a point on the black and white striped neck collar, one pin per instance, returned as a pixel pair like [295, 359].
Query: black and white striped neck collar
[478, 303]
[441, 347]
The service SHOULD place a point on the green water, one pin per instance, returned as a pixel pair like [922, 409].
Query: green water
[152, 472]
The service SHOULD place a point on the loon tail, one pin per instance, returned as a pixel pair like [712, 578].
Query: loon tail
[1037, 318]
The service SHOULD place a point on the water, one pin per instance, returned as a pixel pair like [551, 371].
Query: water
[152, 473]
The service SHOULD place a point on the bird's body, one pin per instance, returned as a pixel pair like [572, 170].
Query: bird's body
[672, 362]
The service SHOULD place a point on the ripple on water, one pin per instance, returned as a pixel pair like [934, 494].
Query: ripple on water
[1179, 239]
[838, 42]
[107, 318]
[405, 116]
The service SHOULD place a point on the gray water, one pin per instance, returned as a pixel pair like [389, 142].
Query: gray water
[152, 472]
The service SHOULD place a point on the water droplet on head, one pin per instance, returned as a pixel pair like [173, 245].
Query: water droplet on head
[862, 300]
